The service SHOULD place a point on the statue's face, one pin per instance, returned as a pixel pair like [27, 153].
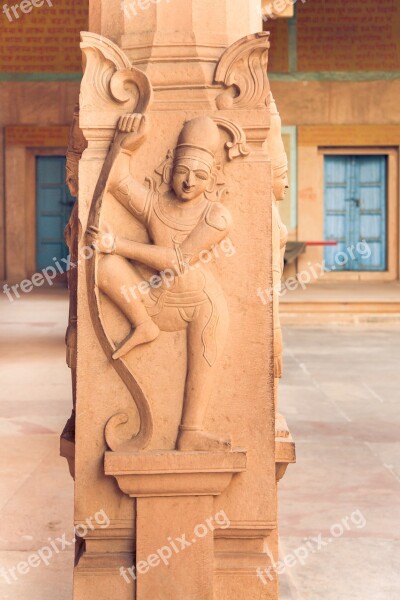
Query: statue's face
[280, 185]
[71, 182]
[190, 179]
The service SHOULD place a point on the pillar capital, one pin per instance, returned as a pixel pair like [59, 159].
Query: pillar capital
[175, 41]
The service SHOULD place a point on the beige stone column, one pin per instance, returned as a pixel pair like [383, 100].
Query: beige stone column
[155, 473]
[177, 42]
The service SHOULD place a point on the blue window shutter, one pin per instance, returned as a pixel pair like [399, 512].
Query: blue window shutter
[53, 207]
[355, 211]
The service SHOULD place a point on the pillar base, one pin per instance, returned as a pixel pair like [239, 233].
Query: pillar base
[175, 517]
[285, 449]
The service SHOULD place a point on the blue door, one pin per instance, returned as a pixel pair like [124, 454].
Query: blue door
[355, 211]
[53, 208]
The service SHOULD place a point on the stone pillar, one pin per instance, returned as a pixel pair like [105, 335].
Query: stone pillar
[175, 431]
[177, 42]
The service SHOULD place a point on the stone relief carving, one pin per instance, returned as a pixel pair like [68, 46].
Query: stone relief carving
[184, 217]
[110, 84]
[280, 184]
[238, 146]
[242, 69]
[76, 146]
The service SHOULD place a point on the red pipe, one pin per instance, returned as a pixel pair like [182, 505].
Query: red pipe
[321, 243]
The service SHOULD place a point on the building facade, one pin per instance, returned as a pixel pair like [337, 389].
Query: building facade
[334, 71]
[40, 71]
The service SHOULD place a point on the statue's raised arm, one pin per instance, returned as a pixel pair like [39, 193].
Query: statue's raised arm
[130, 135]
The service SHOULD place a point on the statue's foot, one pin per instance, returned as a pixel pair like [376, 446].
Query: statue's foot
[202, 441]
[142, 334]
[281, 428]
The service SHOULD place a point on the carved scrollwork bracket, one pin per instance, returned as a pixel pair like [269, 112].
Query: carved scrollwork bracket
[110, 85]
[237, 146]
[242, 69]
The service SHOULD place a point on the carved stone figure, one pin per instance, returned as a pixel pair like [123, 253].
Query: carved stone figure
[76, 146]
[182, 224]
[280, 184]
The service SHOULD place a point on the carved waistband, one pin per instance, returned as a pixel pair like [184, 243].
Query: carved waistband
[189, 298]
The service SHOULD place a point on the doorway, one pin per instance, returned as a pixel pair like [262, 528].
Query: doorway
[355, 210]
[53, 208]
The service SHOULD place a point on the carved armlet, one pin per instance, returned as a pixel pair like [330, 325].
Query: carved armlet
[135, 198]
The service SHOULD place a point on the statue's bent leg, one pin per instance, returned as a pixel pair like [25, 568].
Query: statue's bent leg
[119, 280]
[205, 340]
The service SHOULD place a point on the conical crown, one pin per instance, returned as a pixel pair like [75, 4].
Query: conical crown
[199, 139]
[276, 149]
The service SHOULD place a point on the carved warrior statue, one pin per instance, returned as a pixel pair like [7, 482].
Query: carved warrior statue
[280, 184]
[182, 224]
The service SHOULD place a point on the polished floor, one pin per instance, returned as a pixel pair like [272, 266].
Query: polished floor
[36, 491]
[340, 394]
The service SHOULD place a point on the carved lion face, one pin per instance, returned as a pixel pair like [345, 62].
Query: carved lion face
[190, 179]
